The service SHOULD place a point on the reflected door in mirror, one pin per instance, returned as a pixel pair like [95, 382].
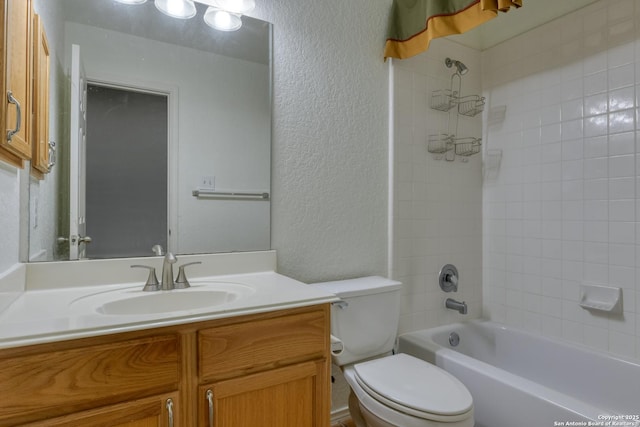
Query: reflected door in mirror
[126, 178]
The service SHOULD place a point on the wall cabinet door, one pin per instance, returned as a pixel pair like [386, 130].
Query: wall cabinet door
[40, 161]
[159, 411]
[16, 81]
[293, 396]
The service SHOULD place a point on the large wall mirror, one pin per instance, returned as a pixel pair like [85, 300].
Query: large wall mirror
[163, 134]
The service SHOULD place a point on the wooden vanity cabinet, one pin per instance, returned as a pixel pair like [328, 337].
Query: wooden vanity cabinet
[269, 369]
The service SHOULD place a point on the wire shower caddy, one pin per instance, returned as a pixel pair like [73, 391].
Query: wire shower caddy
[446, 100]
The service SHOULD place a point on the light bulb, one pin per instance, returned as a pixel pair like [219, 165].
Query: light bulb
[222, 20]
[182, 9]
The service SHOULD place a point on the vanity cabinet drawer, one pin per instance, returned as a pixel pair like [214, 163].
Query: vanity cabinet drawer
[153, 411]
[243, 348]
[41, 385]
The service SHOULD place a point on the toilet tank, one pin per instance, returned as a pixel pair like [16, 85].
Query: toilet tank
[368, 325]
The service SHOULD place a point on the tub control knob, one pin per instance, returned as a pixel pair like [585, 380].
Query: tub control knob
[449, 278]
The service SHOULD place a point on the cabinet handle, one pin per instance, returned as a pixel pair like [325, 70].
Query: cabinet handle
[210, 402]
[52, 155]
[13, 100]
[170, 411]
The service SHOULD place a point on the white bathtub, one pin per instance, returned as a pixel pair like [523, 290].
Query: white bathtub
[522, 380]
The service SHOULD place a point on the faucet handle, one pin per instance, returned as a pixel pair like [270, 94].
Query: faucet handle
[448, 278]
[181, 281]
[152, 281]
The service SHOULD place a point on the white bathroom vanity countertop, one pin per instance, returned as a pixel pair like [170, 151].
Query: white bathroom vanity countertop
[46, 315]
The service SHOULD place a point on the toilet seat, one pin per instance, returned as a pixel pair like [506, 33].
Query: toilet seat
[414, 387]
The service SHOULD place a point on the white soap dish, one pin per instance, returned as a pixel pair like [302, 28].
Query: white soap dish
[602, 298]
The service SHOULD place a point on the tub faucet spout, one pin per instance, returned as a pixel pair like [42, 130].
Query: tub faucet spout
[452, 304]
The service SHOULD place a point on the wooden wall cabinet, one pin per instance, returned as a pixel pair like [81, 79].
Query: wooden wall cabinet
[24, 87]
[15, 82]
[267, 370]
[40, 158]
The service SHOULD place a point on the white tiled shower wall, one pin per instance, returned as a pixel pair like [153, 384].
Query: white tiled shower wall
[564, 208]
[437, 204]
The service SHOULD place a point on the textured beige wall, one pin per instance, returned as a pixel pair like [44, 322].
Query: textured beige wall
[329, 179]
[8, 217]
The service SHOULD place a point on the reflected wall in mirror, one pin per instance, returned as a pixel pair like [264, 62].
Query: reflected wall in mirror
[145, 110]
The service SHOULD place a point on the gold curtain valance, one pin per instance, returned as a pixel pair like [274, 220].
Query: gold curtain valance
[414, 23]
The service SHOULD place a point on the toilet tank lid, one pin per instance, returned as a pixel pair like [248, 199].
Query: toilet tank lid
[360, 286]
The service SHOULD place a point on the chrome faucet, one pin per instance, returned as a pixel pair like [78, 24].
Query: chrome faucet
[452, 304]
[167, 283]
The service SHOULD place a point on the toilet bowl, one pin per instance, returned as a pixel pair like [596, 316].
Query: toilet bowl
[401, 390]
[389, 390]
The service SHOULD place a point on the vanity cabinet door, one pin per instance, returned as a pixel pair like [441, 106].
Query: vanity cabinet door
[15, 144]
[293, 396]
[158, 411]
[267, 372]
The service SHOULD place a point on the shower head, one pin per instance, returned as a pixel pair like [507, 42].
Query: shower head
[461, 68]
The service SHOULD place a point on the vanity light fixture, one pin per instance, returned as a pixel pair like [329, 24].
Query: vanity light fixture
[181, 9]
[223, 15]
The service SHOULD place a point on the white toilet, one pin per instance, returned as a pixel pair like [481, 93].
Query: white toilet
[389, 390]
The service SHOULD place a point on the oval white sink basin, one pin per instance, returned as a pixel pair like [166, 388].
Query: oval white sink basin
[200, 297]
[163, 302]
